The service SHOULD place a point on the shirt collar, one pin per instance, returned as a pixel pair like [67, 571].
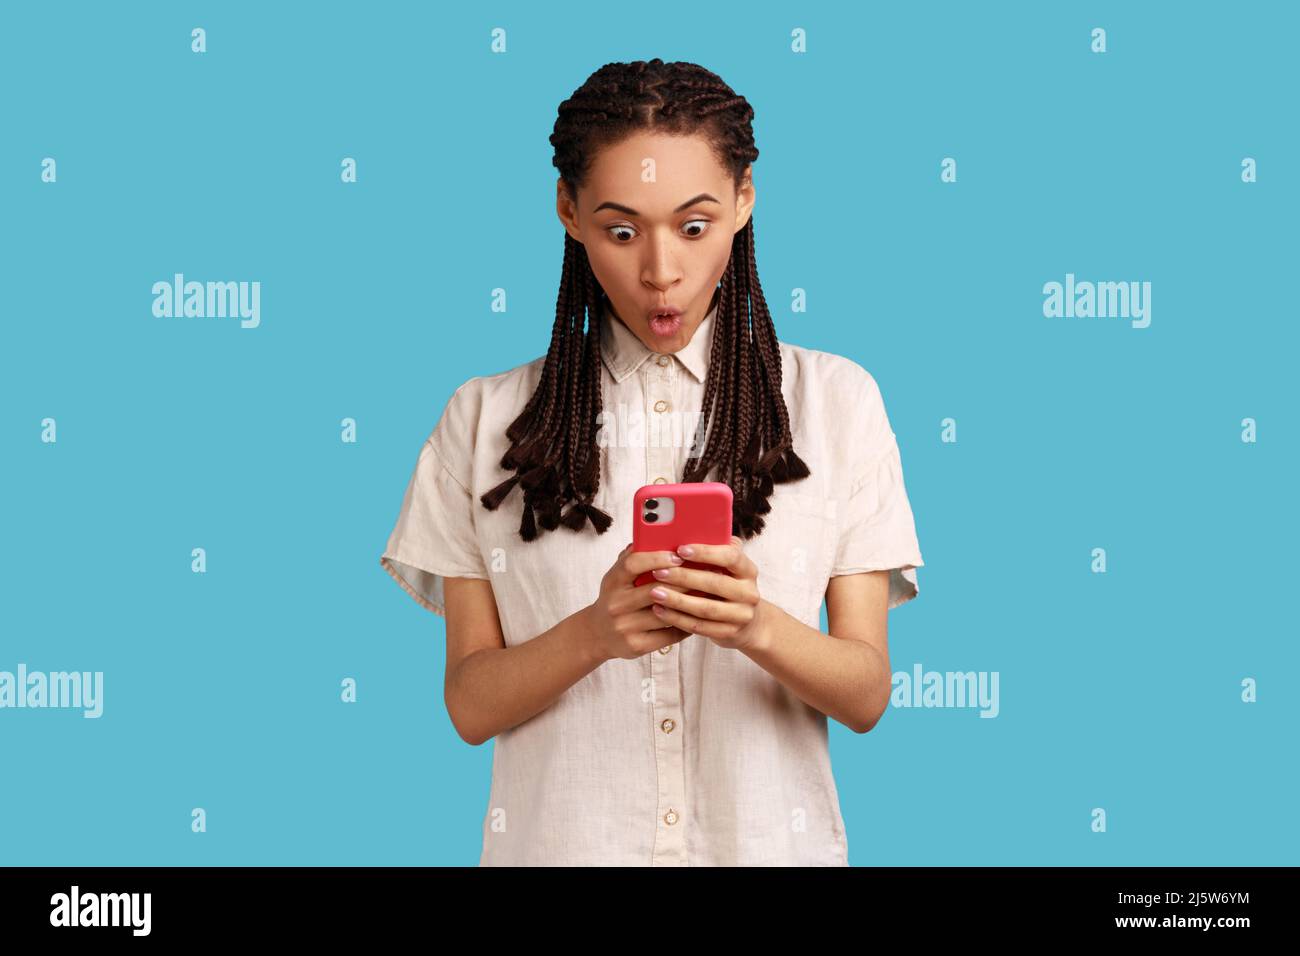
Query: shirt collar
[624, 353]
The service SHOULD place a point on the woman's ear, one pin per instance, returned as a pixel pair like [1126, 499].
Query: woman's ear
[745, 199]
[566, 210]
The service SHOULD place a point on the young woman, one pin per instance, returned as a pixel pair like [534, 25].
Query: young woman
[642, 725]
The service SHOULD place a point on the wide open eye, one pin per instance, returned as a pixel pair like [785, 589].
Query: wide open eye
[700, 225]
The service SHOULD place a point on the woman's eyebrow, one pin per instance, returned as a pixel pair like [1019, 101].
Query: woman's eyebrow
[627, 210]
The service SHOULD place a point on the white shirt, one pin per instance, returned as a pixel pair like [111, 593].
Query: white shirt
[696, 756]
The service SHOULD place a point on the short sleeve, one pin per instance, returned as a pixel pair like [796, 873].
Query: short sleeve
[877, 532]
[435, 536]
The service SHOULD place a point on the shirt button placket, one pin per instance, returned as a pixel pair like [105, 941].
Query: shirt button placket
[665, 669]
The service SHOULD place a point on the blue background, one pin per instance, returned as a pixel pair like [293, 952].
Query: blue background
[1118, 690]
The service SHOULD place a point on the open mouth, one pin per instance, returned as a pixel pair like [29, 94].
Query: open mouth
[665, 322]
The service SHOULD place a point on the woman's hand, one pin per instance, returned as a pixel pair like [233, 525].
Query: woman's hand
[620, 620]
[738, 620]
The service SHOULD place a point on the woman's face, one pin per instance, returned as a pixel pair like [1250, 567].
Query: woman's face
[657, 217]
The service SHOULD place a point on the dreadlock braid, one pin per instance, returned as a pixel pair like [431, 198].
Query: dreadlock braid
[744, 424]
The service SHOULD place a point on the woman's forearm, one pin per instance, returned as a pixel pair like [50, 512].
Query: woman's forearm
[844, 679]
[498, 688]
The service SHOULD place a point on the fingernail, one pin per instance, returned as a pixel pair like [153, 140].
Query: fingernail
[659, 593]
[661, 573]
[686, 549]
[675, 559]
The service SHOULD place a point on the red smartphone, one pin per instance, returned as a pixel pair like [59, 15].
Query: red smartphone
[667, 516]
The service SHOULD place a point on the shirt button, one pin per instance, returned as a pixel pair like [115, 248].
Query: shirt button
[663, 360]
[668, 725]
[665, 649]
[670, 817]
[661, 406]
[661, 481]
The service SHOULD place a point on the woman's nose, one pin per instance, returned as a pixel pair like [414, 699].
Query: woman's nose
[660, 268]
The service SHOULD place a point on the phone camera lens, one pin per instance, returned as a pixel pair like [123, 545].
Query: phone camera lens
[651, 518]
[652, 503]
